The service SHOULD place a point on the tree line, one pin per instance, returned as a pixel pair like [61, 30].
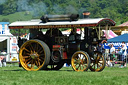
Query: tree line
[113, 9]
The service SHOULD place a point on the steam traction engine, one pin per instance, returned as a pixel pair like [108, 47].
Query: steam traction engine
[50, 50]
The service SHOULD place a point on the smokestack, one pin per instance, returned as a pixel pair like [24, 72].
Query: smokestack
[86, 14]
[49, 18]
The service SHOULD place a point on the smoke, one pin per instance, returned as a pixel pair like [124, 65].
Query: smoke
[71, 10]
[36, 9]
[39, 9]
[57, 9]
[23, 5]
[2, 1]
[80, 12]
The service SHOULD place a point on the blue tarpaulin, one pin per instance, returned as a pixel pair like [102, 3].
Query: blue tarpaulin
[117, 41]
[116, 45]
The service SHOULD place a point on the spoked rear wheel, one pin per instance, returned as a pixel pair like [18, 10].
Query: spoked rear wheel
[98, 62]
[80, 61]
[34, 55]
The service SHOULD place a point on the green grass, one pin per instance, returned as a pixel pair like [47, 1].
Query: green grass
[65, 76]
[17, 16]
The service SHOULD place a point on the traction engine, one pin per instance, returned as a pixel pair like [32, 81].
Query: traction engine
[50, 50]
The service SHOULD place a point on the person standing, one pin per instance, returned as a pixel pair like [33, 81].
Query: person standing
[100, 48]
[3, 59]
[123, 54]
[112, 52]
[111, 55]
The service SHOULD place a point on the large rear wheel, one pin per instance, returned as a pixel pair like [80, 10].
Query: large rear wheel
[80, 61]
[98, 62]
[34, 55]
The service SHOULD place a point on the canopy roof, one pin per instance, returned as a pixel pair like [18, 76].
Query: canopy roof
[61, 24]
[5, 36]
[124, 24]
[122, 27]
[120, 38]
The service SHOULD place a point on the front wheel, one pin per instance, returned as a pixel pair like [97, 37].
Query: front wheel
[80, 61]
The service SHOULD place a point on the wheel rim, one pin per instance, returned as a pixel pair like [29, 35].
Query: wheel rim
[97, 62]
[80, 61]
[32, 55]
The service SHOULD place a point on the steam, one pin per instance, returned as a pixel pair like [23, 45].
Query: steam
[80, 11]
[2, 1]
[23, 5]
[39, 9]
[71, 10]
[36, 9]
[57, 9]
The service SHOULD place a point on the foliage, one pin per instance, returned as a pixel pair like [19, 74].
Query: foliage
[15, 10]
[114, 9]
[66, 76]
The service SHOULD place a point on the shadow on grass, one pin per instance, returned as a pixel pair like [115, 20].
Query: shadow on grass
[48, 70]
[62, 69]
[15, 70]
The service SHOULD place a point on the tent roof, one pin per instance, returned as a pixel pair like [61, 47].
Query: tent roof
[109, 34]
[120, 38]
[124, 24]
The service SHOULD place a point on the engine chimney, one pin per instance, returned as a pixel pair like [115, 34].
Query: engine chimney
[86, 14]
[49, 18]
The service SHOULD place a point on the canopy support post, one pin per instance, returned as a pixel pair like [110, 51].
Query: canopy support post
[99, 32]
[107, 31]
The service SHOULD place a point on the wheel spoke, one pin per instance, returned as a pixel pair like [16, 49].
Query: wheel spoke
[94, 66]
[26, 49]
[36, 46]
[101, 62]
[97, 65]
[33, 65]
[76, 64]
[36, 63]
[26, 60]
[40, 49]
[41, 58]
[31, 48]
[42, 55]
[80, 66]
[26, 56]
[84, 65]
[28, 63]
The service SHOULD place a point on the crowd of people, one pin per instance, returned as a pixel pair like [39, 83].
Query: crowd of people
[115, 55]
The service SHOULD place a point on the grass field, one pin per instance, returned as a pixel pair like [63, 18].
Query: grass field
[16, 17]
[66, 76]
